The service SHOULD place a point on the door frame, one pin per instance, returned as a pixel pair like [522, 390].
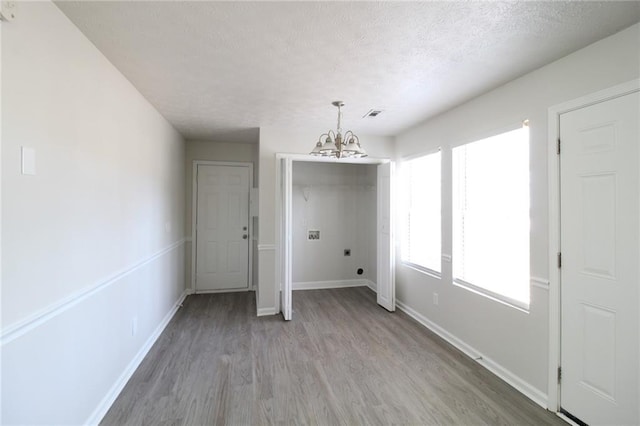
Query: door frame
[281, 260]
[194, 216]
[553, 164]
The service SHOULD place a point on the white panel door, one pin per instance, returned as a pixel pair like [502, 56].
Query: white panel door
[385, 271]
[286, 287]
[222, 228]
[600, 258]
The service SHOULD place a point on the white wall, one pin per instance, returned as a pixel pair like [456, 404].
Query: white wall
[215, 151]
[340, 203]
[275, 140]
[92, 245]
[513, 340]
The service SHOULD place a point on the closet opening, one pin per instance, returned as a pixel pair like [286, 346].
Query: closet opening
[334, 227]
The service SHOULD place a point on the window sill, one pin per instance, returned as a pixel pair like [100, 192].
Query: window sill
[422, 269]
[520, 306]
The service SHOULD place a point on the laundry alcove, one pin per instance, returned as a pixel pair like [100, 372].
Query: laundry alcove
[327, 207]
[333, 225]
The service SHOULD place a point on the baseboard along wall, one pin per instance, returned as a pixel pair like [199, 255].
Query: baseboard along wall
[512, 379]
[67, 364]
[319, 285]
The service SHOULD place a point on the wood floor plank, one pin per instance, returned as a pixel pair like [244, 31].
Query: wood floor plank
[342, 360]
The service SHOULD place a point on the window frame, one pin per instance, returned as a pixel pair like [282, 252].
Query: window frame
[458, 282]
[421, 268]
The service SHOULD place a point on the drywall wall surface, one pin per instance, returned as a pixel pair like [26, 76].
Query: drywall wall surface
[338, 201]
[275, 140]
[221, 152]
[92, 244]
[515, 340]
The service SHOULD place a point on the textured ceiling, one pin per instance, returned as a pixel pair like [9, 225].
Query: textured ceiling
[219, 70]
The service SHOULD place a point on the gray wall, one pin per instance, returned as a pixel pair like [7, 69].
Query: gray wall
[340, 203]
[92, 244]
[516, 341]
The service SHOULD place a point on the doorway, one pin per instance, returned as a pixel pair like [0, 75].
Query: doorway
[382, 228]
[222, 226]
[598, 219]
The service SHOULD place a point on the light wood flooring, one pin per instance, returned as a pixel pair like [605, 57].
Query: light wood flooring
[341, 360]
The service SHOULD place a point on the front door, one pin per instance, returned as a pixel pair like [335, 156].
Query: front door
[600, 257]
[222, 228]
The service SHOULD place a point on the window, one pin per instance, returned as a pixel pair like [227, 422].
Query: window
[421, 215]
[491, 216]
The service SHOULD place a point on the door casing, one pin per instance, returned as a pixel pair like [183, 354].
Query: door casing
[194, 208]
[553, 387]
[281, 263]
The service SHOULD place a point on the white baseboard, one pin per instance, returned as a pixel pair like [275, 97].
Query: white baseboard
[372, 286]
[320, 285]
[518, 383]
[266, 311]
[110, 397]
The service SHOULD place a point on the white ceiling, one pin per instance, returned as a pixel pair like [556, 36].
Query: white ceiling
[220, 70]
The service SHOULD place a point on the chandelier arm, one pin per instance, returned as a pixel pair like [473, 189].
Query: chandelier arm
[322, 136]
[346, 136]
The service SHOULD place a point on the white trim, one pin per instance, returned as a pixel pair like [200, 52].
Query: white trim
[266, 311]
[497, 297]
[266, 247]
[318, 285]
[539, 283]
[224, 290]
[194, 212]
[422, 269]
[316, 159]
[553, 164]
[518, 383]
[372, 286]
[24, 326]
[117, 387]
[417, 155]
[279, 213]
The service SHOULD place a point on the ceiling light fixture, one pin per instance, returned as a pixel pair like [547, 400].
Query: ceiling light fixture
[336, 145]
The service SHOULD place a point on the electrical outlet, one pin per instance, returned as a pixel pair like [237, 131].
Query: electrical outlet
[347, 252]
[313, 235]
[435, 298]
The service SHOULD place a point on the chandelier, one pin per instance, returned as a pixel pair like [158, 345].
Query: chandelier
[336, 145]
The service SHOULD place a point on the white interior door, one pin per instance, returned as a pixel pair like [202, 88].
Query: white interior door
[286, 288]
[222, 228]
[600, 257]
[385, 271]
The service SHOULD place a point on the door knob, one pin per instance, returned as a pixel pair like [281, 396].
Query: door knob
[244, 237]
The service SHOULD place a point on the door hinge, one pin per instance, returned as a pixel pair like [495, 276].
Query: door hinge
[559, 374]
[558, 146]
[559, 260]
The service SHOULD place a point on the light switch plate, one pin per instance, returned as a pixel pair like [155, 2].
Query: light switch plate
[28, 161]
